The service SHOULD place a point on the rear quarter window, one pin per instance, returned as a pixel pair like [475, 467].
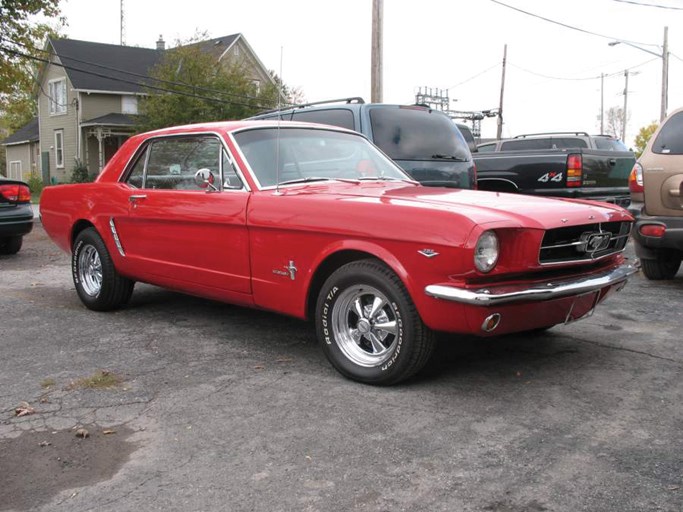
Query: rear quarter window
[336, 117]
[525, 144]
[669, 141]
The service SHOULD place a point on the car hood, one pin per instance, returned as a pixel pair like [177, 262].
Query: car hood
[478, 206]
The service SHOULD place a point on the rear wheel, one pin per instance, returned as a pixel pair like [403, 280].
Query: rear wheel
[11, 245]
[664, 266]
[99, 286]
[368, 325]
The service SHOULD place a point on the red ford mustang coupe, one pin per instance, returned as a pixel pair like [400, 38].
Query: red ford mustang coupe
[315, 222]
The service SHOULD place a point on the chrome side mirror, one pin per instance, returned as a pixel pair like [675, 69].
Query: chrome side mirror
[204, 178]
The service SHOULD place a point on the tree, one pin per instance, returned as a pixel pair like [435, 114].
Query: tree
[615, 121]
[197, 88]
[21, 38]
[644, 135]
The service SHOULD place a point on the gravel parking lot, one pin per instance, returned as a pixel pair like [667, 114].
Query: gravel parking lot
[216, 407]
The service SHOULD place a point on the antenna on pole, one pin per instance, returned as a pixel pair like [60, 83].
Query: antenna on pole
[123, 26]
[277, 139]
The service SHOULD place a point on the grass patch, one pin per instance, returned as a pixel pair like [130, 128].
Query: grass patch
[101, 379]
[47, 383]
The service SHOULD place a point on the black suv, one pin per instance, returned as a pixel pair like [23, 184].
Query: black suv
[424, 142]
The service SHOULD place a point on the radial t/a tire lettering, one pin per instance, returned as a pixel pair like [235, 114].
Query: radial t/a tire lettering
[369, 327]
[99, 286]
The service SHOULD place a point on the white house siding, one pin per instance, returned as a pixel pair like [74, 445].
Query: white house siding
[28, 155]
[49, 123]
[96, 105]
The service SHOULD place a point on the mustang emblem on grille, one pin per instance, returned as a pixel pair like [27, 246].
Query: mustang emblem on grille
[594, 242]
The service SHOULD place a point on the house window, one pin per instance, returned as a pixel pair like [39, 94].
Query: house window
[257, 86]
[129, 104]
[56, 91]
[15, 170]
[236, 51]
[59, 149]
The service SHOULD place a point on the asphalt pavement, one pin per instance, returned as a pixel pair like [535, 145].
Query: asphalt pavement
[215, 407]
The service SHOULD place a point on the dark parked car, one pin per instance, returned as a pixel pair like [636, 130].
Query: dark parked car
[16, 215]
[424, 142]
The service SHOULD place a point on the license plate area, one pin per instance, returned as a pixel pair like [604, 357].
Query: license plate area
[583, 306]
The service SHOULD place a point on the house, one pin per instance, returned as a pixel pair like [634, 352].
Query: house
[23, 151]
[88, 99]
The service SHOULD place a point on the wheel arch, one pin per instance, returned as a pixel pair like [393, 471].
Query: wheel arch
[497, 185]
[339, 256]
[79, 226]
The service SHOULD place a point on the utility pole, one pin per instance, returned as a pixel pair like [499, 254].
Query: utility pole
[376, 55]
[665, 75]
[602, 103]
[502, 89]
[624, 115]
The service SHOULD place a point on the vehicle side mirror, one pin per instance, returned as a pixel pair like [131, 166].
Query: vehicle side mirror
[204, 178]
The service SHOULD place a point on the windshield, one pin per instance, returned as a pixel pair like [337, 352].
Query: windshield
[295, 155]
[415, 133]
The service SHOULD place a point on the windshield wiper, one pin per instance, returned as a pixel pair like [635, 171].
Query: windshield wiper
[385, 178]
[304, 180]
[441, 156]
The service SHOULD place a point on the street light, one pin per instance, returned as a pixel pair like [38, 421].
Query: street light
[665, 68]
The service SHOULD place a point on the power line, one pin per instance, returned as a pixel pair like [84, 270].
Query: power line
[131, 73]
[620, 72]
[643, 4]
[569, 26]
[472, 77]
[123, 80]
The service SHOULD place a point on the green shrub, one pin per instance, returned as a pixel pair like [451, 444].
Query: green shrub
[79, 173]
[35, 183]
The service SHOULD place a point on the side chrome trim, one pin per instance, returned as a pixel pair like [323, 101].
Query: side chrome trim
[506, 294]
[115, 234]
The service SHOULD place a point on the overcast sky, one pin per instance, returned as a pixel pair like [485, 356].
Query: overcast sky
[552, 81]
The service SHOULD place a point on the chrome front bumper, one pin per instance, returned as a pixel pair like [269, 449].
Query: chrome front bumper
[505, 294]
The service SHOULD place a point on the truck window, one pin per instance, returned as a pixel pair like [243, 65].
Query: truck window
[337, 117]
[525, 144]
[416, 134]
[489, 147]
[607, 144]
[670, 138]
[567, 143]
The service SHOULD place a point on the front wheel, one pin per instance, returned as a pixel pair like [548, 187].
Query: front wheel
[99, 286]
[368, 325]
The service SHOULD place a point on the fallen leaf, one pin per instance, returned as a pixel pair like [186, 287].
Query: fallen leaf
[107, 432]
[259, 367]
[44, 443]
[81, 432]
[24, 409]
[284, 360]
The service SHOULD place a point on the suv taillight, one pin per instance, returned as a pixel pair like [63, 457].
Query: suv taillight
[475, 185]
[16, 193]
[635, 179]
[574, 170]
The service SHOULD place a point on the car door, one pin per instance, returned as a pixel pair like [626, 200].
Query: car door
[663, 169]
[182, 233]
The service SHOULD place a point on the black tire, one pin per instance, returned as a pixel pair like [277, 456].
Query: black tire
[665, 266]
[11, 245]
[99, 286]
[382, 345]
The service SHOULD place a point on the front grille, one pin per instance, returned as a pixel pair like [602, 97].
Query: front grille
[587, 242]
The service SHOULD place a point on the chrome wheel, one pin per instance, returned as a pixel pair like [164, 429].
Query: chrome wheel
[366, 325]
[90, 270]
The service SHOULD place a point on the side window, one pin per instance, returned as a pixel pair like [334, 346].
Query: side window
[136, 175]
[669, 141]
[336, 117]
[231, 179]
[173, 162]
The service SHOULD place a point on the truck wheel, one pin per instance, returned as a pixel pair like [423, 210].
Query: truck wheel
[99, 286]
[368, 325]
[11, 245]
[665, 266]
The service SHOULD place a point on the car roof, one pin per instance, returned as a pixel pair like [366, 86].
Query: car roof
[233, 126]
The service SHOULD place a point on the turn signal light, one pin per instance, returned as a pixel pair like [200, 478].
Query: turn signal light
[15, 193]
[574, 170]
[635, 179]
[656, 230]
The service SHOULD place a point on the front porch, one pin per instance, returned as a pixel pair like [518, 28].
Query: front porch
[102, 137]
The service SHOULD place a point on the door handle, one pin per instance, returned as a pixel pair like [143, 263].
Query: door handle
[612, 161]
[135, 197]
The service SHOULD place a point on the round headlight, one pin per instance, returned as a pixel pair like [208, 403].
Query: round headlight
[486, 251]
